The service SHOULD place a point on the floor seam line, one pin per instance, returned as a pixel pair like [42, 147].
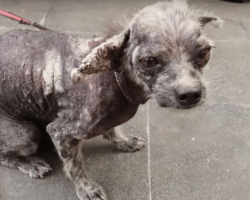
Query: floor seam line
[149, 157]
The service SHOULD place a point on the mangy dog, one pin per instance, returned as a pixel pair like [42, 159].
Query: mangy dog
[76, 88]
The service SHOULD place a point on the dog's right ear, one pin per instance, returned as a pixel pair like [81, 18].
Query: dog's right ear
[204, 20]
[102, 57]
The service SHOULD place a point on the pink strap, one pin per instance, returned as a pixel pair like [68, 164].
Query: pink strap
[15, 17]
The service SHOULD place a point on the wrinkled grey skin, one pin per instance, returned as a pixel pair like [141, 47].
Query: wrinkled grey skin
[38, 94]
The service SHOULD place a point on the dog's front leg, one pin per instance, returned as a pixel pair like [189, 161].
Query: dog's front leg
[123, 142]
[69, 149]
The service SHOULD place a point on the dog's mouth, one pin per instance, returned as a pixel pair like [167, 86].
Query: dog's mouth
[178, 106]
[189, 106]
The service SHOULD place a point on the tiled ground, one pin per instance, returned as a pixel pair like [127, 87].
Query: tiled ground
[198, 154]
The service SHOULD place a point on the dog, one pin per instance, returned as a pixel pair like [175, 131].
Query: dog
[77, 88]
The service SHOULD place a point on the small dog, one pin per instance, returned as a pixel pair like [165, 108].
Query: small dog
[76, 88]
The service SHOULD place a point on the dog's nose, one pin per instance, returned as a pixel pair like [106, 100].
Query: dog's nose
[188, 96]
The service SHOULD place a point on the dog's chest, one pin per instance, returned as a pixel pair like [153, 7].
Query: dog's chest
[110, 116]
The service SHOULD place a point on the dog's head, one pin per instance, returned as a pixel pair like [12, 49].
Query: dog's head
[163, 49]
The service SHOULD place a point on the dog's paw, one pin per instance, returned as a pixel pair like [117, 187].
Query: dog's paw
[132, 144]
[90, 191]
[35, 167]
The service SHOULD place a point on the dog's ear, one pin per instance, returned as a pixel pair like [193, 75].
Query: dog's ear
[214, 20]
[102, 58]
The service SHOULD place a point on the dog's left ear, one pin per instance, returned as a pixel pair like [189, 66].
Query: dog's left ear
[214, 20]
[102, 57]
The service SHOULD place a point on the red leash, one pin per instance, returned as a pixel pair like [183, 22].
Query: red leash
[21, 20]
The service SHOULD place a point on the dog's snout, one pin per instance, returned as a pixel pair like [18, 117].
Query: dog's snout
[188, 96]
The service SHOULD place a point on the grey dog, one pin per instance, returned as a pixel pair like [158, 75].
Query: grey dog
[76, 88]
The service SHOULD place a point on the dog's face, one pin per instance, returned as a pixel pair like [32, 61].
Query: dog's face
[169, 53]
[172, 73]
[165, 50]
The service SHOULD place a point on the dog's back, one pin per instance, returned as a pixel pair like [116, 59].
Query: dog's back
[32, 69]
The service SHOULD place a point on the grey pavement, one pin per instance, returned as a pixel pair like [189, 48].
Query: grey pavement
[197, 154]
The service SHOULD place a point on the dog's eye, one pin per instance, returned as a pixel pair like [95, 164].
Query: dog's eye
[204, 55]
[148, 62]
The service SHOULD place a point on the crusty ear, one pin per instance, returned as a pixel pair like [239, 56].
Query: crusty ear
[101, 58]
[206, 19]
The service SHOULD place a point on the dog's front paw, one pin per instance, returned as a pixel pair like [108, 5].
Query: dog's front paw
[132, 144]
[90, 191]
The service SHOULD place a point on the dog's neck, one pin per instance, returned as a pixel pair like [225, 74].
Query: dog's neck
[132, 91]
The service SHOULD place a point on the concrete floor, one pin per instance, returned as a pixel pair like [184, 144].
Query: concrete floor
[198, 154]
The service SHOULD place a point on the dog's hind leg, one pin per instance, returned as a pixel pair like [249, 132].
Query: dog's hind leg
[124, 143]
[18, 143]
